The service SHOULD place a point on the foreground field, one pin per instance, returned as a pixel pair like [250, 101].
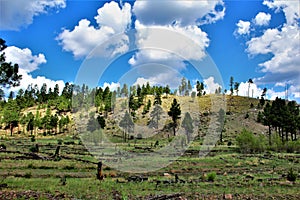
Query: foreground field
[72, 174]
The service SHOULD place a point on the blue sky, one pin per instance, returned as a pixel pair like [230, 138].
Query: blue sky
[244, 39]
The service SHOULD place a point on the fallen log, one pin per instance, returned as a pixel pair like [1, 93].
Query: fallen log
[165, 196]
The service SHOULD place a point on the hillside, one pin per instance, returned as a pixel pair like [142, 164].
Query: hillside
[237, 108]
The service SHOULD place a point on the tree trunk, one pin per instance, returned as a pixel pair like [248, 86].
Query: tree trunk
[174, 130]
[221, 136]
[270, 142]
[57, 151]
[99, 171]
[11, 129]
[282, 135]
[188, 136]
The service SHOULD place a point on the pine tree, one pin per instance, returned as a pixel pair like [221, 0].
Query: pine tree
[155, 116]
[231, 85]
[200, 88]
[221, 120]
[127, 124]
[11, 115]
[174, 113]
[157, 99]
[268, 119]
[30, 124]
[92, 124]
[8, 72]
[236, 88]
[101, 121]
[167, 90]
[187, 124]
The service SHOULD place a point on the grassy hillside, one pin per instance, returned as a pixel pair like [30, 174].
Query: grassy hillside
[200, 107]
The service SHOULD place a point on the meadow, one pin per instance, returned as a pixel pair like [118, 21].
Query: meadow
[72, 175]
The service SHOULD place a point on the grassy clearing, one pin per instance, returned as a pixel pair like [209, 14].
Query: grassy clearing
[245, 175]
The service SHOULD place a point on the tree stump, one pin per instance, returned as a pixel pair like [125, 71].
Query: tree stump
[99, 171]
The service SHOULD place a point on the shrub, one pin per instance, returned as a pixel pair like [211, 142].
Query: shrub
[291, 176]
[279, 146]
[211, 176]
[69, 142]
[2, 146]
[229, 143]
[33, 149]
[30, 166]
[69, 167]
[292, 146]
[32, 138]
[59, 141]
[28, 175]
[249, 143]
[139, 136]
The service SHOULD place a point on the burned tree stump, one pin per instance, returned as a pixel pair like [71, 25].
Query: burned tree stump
[99, 171]
[37, 148]
[57, 151]
[56, 156]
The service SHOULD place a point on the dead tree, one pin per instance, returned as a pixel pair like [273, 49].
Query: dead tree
[99, 171]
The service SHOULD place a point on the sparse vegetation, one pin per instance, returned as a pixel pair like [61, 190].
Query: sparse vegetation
[64, 163]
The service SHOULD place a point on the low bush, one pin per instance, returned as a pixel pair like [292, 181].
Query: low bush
[2, 146]
[69, 142]
[250, 143]
[28, 175]
[292, 146]
[139, 136]
[59, 141]
[229, 143]
[32, 138]
[31, 166]
[69, 167]
[33, 149]
[211, 176]
[279, 146]
[291, 176]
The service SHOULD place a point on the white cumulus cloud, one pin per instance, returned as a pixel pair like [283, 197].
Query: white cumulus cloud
[28, 63]
[281, 44]
[171, 36]
[181, 12]
[191, 41]
[111, 20]
[251, 90]
[24, 58]
[262, 19]
[112, 86]
[210, 85]
[291, 9]
[243, 27]
[19, 13]
[27, 79]
[111, 15]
